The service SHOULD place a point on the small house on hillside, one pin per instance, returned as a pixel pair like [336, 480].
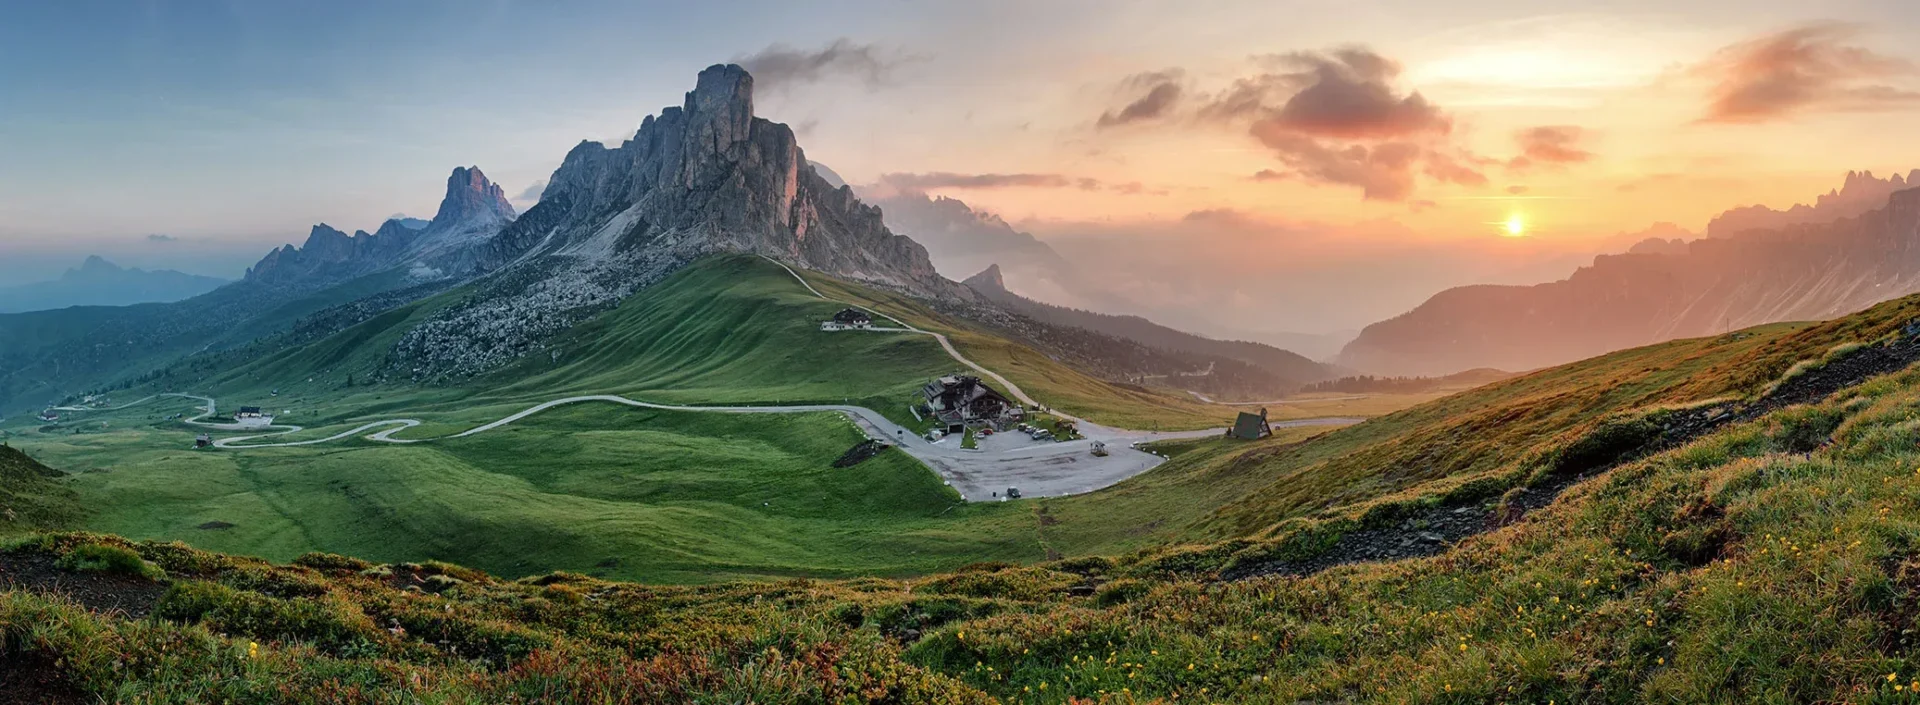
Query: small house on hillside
[848, 319]
[248, 412]
[959, 401]
[1251, 427]
[49, 416]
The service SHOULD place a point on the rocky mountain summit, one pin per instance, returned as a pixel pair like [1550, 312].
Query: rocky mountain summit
[705, 177]
[1806, 271]
[708, 177]
[471, 212]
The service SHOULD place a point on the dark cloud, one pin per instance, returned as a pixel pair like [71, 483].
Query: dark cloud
[1336, 118]
[1382, 171]
[1158, 93]
[533, 191]
[1346, 94]
[782, 66]
[946, 179]
[1810, 68]
[1550, 144]
[159, 238]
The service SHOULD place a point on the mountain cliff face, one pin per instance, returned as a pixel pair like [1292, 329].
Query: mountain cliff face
[1803, 272]
[705, 177]
[473, 210]
[708, 177]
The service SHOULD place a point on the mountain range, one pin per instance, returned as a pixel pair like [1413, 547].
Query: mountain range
[473, 210]
[97, 282]
[702, 178]
[1854, 247]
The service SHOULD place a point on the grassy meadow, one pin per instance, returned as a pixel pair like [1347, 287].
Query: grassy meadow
[637, 494]
[592, 488]
[1735, 568]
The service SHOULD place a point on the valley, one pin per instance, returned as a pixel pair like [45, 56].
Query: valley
[721, 333]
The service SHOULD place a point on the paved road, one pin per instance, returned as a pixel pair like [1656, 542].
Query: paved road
[1044, 469]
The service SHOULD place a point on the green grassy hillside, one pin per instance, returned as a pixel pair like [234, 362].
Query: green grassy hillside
[1478, 443]
[1745, 565]
[634, 494]
[1046, 379]
[32, 495]
[726, 330]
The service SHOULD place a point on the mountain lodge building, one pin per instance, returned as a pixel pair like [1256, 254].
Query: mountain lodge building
[848, 318]
[960, 401]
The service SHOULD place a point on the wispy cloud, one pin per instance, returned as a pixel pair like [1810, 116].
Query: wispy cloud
[947, 179]
[1806, 69]
[780, 66]
[533, 191]
[1551, 145]
[1154, 95]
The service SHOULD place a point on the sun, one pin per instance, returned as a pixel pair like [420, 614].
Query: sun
[1516, 226]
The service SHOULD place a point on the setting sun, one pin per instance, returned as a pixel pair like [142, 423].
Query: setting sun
[1516, 226]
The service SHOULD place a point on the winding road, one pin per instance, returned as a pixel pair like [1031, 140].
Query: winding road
[1037, 468]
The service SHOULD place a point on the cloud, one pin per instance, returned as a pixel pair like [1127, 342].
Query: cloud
[1550, 144]
[1807, 69]
[1158, 92]
[1381, 171]
[946, 179]
[1345, 95]
[1517, 190]
[533, 191]
[1336, 118]
[159, 238]
[780, 66]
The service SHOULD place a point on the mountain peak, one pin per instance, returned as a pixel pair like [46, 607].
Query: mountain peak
[988, 281]
[724, 91]
[471, 197]
[96, 263]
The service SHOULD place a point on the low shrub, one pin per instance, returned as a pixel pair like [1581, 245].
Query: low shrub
[115, 560]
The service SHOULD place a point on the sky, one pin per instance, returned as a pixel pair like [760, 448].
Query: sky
[1365, 144]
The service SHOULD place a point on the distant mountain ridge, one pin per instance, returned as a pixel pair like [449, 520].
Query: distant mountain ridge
[1803, 271]
[97, 282]
[470, 213]
[1859, 193]
[1291, 369]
